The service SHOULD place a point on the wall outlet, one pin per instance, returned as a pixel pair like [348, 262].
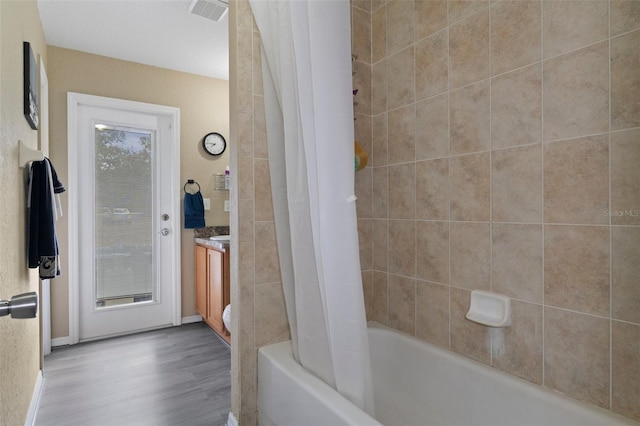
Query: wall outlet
[207, 203]
[226, 205]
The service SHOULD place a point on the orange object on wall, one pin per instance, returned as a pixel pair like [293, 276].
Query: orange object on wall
[361, 157]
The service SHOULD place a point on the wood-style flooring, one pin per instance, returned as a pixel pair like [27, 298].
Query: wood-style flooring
[173, 376]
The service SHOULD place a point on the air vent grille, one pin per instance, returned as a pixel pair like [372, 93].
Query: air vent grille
[214, 10]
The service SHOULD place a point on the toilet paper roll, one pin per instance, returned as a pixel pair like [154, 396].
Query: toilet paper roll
[226, 317]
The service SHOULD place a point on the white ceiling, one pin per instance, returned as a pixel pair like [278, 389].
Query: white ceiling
[161, 33]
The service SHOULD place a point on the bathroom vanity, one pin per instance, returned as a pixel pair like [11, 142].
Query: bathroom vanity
[212, 282]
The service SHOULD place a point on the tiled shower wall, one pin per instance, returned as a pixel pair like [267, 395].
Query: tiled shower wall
[504, 142]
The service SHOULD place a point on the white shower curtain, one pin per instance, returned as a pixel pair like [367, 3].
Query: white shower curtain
[309, 114]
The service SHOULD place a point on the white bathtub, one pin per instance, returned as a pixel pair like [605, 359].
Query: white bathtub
[424, 385]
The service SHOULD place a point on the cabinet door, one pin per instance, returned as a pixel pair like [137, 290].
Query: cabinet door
[201, 281]
[216, 277]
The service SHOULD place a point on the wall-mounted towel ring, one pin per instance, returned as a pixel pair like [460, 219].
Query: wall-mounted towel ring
[191, 182]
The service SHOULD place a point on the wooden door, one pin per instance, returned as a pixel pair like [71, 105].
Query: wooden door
[201, 281]
[216, 277]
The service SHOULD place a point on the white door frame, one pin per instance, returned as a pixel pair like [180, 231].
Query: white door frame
[74, 100]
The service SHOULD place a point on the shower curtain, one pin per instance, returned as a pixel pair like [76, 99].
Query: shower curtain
[306, 66]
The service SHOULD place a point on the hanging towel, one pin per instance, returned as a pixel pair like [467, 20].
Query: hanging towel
[193, 210]
[43, 209]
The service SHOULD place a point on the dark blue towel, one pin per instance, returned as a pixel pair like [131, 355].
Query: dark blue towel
[193, 210]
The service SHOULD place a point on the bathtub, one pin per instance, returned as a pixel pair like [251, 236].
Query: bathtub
[424, 385]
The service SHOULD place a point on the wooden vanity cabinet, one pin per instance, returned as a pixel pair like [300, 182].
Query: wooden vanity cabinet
[212, 287]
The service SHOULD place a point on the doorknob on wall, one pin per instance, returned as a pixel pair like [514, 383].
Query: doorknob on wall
[20, 306]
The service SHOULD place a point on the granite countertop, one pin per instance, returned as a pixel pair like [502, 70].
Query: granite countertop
[202, 237]
[219, 245]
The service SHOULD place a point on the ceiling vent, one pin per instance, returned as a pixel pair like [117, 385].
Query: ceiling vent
[210, 9]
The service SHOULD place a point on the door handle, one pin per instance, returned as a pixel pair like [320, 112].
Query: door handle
[164, 231]
[20, 306]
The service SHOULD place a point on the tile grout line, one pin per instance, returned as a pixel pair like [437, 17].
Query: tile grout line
[610, 229]
[542, 182]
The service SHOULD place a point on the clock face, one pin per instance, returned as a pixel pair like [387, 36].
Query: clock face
[214, 143]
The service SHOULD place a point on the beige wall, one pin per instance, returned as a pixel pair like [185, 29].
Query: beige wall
[20, 341]
[204, 107]
[500, 136]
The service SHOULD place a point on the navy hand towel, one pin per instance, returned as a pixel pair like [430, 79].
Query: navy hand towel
[193, 210]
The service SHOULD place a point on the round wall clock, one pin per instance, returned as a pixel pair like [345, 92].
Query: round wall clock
[214, 143]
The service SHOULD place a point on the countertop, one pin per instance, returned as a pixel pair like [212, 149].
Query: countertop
[218, 245]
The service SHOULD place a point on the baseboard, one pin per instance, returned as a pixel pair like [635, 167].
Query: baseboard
[60, 341]
[231, 420]
[35, 400]
[191, 319]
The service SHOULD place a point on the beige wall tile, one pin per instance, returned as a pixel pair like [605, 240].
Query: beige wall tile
[432, 65]
[432, 313]
[470, 187]
[467, 338]
[517, 349]
[470, 119]
[365, 238]
[247, 304]
[431, 16]
[469, 49]
[576, 268]
[245, 178]
[244, 70]
[432, 127]
[458, 9]
[367, 293]
[576, 181]
[576, 93]
[379, 34]
[516, 184]
[402, 130]
[245, 135]
[432, 189]
[625, 16]
[515, 34]
[263, 201]
[402, 191]
[248, 349]
[471, 255]
[249, 391]
[400, 24]
[246, 261]
[248, 418]
[363, 127]
[380, 298]
[361, 34]
[245, 225]
[380, 192]
[570, 25]
[379, 155]
[362, 82]
[267, 263]
[364, 192]
[379, 91]
[625, 270]
[271, 316]
[517, 261]
[258, 84]
[401, 240]
[576, 355]
[402, 303]
[365, 5]
[400, 77]
[380, 245]
[625, 374]
[516, 107]
[432, 251]
[625, 81]
[259, 129]
[625, 178]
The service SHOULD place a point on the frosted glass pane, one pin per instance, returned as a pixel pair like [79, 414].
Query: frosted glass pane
[124, 222]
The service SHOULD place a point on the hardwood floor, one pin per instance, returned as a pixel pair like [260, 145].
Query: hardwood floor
[174, 376]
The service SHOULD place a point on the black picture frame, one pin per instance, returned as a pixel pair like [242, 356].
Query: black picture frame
[30, 87]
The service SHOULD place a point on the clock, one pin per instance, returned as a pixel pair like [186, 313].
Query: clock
[214, 143]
